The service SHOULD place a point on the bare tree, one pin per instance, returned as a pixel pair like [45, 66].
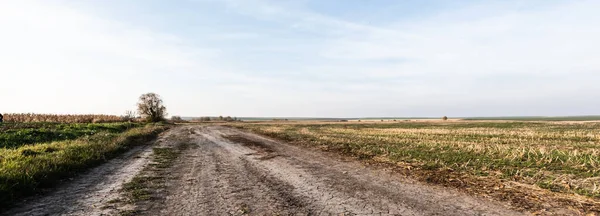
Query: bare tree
[150, 107]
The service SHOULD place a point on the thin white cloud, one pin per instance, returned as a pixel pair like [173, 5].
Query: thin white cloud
[60, 59]
[476, 55]
[290, 61]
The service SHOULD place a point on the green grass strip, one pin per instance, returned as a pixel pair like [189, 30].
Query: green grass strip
[26, 170]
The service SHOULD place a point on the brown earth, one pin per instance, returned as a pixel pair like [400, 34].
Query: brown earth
[229, 172]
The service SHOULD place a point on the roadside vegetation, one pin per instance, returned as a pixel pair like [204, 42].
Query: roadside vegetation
[37, 151]
[14, 135]
[480, 156]
[39, 162]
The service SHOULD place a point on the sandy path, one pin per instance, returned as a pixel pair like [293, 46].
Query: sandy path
[230, 172]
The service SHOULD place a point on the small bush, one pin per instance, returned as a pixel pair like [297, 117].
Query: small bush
[177, 119]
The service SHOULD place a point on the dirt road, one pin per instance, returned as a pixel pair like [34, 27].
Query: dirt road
[229, 172]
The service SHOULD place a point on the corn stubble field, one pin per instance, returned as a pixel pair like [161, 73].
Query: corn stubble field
[505, 160]
[32, 117]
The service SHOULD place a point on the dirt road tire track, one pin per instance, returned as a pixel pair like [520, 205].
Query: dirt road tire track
[231, 172]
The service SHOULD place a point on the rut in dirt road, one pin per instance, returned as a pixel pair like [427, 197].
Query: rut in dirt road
[229, 172]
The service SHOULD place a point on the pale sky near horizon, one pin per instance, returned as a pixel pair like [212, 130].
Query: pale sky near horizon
[302, 58]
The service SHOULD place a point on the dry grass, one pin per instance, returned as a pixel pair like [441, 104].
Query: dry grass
[560, 158]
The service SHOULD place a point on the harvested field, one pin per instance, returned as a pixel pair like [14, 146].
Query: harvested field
[532, 164]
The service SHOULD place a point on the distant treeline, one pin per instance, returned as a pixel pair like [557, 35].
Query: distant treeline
[220, 118]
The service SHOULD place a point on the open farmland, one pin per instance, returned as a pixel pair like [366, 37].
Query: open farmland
[423, 167]
[504, 160]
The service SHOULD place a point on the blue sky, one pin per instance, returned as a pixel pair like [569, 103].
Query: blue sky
[301, 58]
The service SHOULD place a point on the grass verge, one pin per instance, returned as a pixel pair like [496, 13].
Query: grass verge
[14, 135]
[30, 169]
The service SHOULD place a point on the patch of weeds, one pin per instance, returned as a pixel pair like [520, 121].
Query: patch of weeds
[184, 146]
[145, 185]
[163, 157]
[137, 189]
[113, 201]
[244, 209]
